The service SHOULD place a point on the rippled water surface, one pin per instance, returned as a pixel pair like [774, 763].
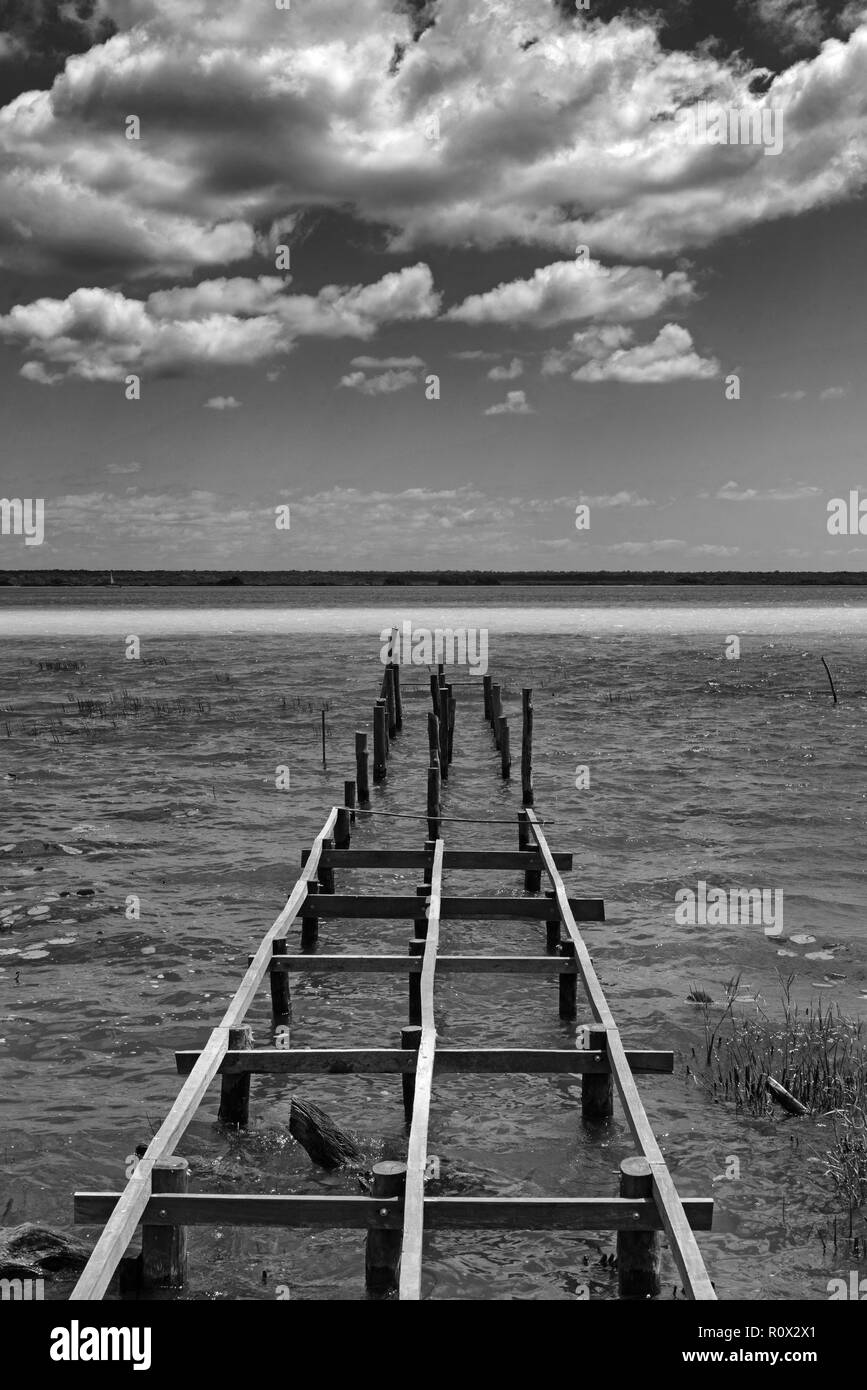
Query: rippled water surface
[742, 773]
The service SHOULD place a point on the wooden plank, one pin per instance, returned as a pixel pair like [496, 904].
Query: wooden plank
[684, 1247]
[393, 905]
[353, 1061]
[114, 1239]
[358, 1213]
[238, 1209]
[461, 860]
[416, 1157]
[384, 965]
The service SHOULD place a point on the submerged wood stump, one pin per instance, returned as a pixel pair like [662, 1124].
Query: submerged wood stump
[327, 1145]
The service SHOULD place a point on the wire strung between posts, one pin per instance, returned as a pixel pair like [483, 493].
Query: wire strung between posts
[423, 815]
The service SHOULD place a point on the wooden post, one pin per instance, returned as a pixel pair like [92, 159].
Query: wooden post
[505, 750]
[326, 873]
[532, 877]
[309, 925]
[452, 708]
[164, 1248]
[496, 713]
[552, 929]
[416, 948]
[235, 1090]
[419, 925]
[435, 694]
[444, 733]
[342, 837]
[361, 769]
[281, 1002]
[390, 701]
[637, 1251]
[597, 1093]
[409, 1037]
[382, 1248]
[433, 802]
[324, 764]
[486, 696]
[430, 846]
[349, 799]
[568, 984]
[398, 703]
[433, 739]
[380, 734]
[527, 748]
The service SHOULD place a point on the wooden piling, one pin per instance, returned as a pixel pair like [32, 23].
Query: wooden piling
[382, 1248]
[419, 925]
[486, 696]
[390, 701]
[380, 733]
[532, 877]
[164, 1248]
[597, 1092]
[235, 1090]
[309, 924]
[326, 873]
[444, 733]
[435, 693]
[496, 713]
[342, 836]
[281, 1002]
[324, 764]
[433, 739]
[398, 703]
[429, 847]
[552, 929]
[637, 1251]
[433, 801]
[416, 948]
[505, 750]
[409, 1037]
[361, 769]
[568, 983]
[349, 799]
[527, 747]
[452, 707]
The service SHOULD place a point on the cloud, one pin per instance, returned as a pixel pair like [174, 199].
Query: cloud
[786, 492]
[791, 395]
[222, 403]
[383, 384]
[379, 362]
[618, 499]
[35, 371]
[123, 468]
[251, 116]
[509, 373]
[832, 393]
[649, 547]
[476, 355]
[515, 404]
[100, 335]
[568, 290]
[670, 357]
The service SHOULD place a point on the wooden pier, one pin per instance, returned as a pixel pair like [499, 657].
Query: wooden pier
[397, 1213]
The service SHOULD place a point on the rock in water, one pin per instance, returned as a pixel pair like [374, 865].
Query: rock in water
[28, 1252]
[327, 1145]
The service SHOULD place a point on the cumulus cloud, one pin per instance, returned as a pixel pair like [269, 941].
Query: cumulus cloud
[516, 403]
[383, 384]
[100, 334]
[509, 373]
[569, 290]
[832, 393]
[222, 403]
[251, 116]
[670, 357]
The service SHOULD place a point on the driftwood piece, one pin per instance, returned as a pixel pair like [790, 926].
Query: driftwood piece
[28, 1252]
[785, 1098]
[315, 1131]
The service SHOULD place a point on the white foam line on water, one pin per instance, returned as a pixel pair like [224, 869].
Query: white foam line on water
[596, 621]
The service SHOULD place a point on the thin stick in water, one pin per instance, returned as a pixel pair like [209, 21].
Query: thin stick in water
[831, 679]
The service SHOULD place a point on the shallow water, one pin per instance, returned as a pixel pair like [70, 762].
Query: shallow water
[742, 773]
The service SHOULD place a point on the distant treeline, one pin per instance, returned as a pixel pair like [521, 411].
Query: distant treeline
[388, 578]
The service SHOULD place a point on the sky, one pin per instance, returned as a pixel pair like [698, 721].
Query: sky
[433, 276]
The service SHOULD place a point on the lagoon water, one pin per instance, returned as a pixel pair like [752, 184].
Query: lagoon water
[739, 773]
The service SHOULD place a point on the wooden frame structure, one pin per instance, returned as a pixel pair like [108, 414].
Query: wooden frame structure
[398, 1213]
